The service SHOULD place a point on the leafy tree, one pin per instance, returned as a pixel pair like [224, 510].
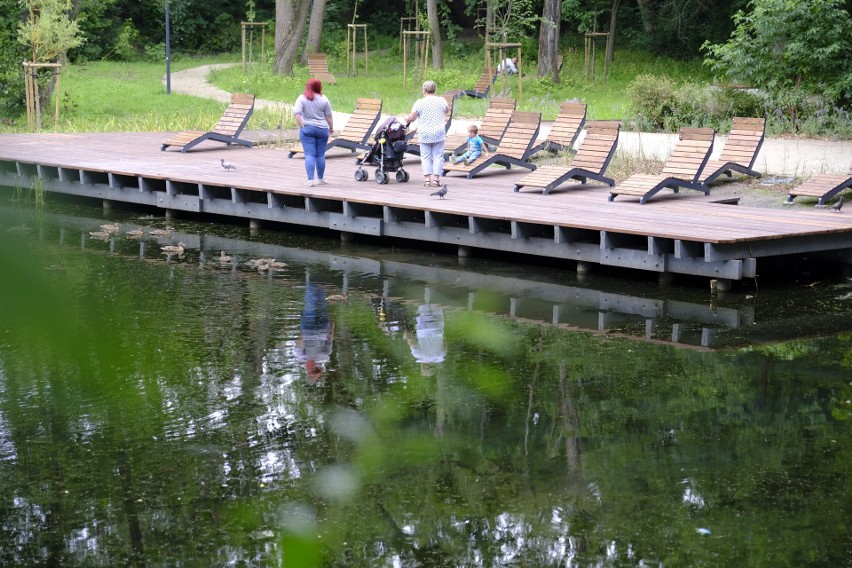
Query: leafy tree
[47, 31]
[791, 49]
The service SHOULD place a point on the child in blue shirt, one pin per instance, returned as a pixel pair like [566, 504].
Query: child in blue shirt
[475, 146]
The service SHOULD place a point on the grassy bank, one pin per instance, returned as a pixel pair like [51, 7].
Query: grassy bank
[121, 96]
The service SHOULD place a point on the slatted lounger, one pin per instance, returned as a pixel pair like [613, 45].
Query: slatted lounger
[565, 128]
[413, 142]
[591, 161]
[318, 67]
[492, 128]
[514, 148]
[483, 86]
[739, 152]
[356, 134]
[227, 130]
[681, 170]
[822, 186]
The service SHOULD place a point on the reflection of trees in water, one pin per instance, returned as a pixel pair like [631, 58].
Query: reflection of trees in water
[550, 445]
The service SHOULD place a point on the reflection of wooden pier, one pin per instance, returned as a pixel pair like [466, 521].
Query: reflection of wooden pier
[673, 234]
[679, 319]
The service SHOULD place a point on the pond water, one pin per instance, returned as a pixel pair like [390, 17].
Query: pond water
[364, 406]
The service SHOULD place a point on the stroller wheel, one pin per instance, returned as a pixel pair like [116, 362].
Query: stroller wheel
[381, 177]
[361, 175]
[401, 175]
[407, 177]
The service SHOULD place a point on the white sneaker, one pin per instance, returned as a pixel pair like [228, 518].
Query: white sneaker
[322, 182]
[309, 183]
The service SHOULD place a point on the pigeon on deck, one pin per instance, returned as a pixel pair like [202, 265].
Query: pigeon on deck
[441, 192]
[837, 204]
[227, 166]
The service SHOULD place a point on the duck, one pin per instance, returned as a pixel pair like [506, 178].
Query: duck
[173, 249]
[337, 297]
[269, 265]
[224, 258]
[99, 235]
[110, 228]
[135, 233]
[161, 232]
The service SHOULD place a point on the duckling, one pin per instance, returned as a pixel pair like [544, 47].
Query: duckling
[173, 249]
[103, 235]
[110, 228]
[135, 233]
[337, 297]
[224, 258]
[276, 265]
[161, 232]
[56, 267]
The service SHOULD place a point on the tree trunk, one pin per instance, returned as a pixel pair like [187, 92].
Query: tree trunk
[290, 18]
[646, 13]
[548, 40]
[610, 41]
[312, 44]
[435, 27]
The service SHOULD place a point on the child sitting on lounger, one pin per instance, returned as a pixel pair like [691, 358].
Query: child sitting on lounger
[475, 146]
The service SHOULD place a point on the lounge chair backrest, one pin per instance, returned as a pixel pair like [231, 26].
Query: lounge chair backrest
[236, 116]
[744, 142]
[568, 123]
[448, 119]
[497, 118]
[690, 154]
[598, 146]
[485, 80]
[364, 118]
[520, 135]
[318, 66]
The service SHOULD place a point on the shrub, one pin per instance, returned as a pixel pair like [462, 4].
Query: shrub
[652, 100]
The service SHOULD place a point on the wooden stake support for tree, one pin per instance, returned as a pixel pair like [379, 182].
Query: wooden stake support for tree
[351, 49]
[32, 90]
[501, 48]
[405, 25]
[250, 26]
[422, 46]
[591, 54]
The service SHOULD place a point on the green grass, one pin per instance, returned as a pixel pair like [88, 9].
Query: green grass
[606, 99]
[120, 96]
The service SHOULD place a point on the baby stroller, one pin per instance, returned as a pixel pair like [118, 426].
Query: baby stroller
[386, 154]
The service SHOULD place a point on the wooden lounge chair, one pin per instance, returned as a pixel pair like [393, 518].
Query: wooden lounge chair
[681, 170]
[591, 161]
[822, 186]
[514, 147]
[356, 134]
[492, 128]
[739, 152]
[318, 68]
[227, 130]
[565, 128]
[413, 142]
[483, 86]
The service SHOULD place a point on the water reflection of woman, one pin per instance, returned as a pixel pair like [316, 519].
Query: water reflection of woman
[313, 348]
[427, 342]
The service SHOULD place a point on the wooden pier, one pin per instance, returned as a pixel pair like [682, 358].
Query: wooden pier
[685, 233]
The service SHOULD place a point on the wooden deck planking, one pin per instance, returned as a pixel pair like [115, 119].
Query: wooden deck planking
[687, 216]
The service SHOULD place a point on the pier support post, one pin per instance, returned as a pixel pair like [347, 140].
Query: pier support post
[255, 226]
[346, 237]
[464, 251]
[721, 285]
[665, 278]
[108, 205]
[171, 214]
[583, 267]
